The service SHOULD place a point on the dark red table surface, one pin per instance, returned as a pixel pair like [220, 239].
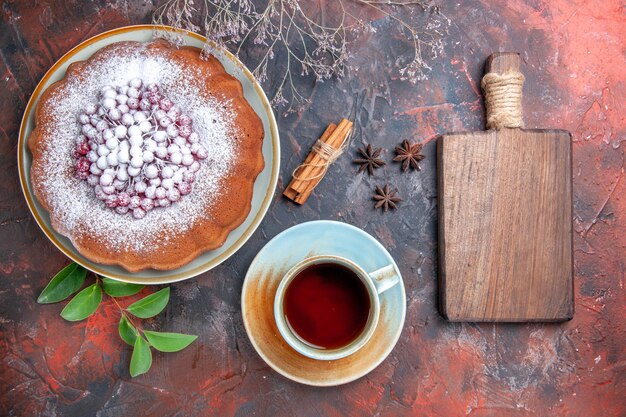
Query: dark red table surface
[574, 59]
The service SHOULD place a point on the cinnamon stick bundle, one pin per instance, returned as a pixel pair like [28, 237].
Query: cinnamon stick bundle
[324, 152]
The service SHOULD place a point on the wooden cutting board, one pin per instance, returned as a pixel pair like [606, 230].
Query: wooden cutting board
[505, 221]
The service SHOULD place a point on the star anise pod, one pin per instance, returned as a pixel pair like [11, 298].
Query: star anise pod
[409, 154]
[370, 159]
[386, 198]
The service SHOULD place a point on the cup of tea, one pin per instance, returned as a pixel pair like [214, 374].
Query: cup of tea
[327, 307]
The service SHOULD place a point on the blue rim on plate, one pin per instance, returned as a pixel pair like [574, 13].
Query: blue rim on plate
[322, 237]
[264, 185]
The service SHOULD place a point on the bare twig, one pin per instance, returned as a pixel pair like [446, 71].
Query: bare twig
[310, 39]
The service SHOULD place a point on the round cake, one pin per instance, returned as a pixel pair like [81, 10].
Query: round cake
[145, 155]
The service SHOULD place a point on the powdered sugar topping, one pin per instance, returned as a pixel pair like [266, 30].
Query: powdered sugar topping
[75, 206]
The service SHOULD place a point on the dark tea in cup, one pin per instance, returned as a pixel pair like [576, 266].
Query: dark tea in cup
[326, 305]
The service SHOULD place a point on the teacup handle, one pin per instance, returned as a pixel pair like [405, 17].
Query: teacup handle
[385, 278]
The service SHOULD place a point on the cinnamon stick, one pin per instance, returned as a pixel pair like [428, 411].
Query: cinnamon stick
[310, 173]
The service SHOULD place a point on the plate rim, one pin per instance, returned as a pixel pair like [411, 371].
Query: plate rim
[351, 378]
[175, 277]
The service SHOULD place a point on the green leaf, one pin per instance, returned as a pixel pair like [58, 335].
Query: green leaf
[141, 361]
[169, 342]
[151, 305]
[65, 283]
[83, 304]
[128, 333]
[118, 288]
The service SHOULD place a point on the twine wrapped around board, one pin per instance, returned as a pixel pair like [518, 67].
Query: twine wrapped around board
[503, 99]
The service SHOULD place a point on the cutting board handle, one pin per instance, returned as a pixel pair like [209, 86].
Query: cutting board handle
[502, 85]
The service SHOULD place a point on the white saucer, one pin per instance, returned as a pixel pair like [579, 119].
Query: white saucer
[277, 257]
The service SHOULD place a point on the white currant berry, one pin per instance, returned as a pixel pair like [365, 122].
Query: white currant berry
[180, 141]
[119, 185]
[115, 114]
[172, 131]
[160, 152]
[140, 186]
[135, 83]
[144, 104]
[164, 202]
[160, 192]
[202, 153]
[178, 177]
[108, 134]
[109, 103]
[93, 180]
[121, 210]
[147, 204]
[122, 173]
[120, 131]
[173, 148]
[136, 152]
[187, 159]
[109, 189]
[103, 150]
[167, 172]
[112, 142]
[150, 192]
[102, 163]
[135, 201]
[90, 108]
[136, 162]
[105, 179]
[109, 92]
[176, 158]
[139, 213]
[189, 177]
[184, 188]
[149, 145]
[167, 183]
[148, 156]
[123, 156]
[151, 171]
[83, 119]
[164, 122]
[140, 117]
[155, 181]
[133, 92]
[173, 194]
[193, 138]
[145, 126]
[183, 120]
[133, 171]
[195, 166]
[160, 136]
[92, 156]
[136, 140]
[101, 125]
[134, 130]
[127, 119]
[112, 159]
[132, 103]
[94, 169]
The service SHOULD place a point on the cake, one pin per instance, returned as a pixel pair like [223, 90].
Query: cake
[145, 155]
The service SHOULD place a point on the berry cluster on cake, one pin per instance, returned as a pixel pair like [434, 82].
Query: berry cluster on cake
[145, 155]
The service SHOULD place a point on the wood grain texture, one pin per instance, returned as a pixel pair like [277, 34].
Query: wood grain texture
[505, 226]
[505, 220]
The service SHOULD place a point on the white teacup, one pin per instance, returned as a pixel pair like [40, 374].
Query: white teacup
[375, 282]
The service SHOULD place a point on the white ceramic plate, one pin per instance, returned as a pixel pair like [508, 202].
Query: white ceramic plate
[264, 185]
